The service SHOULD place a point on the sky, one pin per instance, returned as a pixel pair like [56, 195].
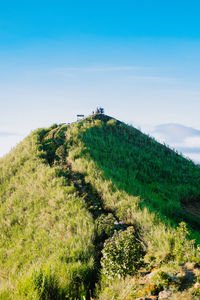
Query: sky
[140, 60]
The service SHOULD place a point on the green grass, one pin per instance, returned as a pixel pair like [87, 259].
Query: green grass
[116, 160]
[44, 224]
[139, 165]
[63, 188]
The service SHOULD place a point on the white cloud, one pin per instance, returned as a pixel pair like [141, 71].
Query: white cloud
[193, 141]
[8, 140]
[175, 132]
[184, 139]
[194, 156]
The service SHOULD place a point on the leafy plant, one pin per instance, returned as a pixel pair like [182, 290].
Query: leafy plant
[161, 279]
[122, 254]
[105, 226]
[45, 218]
[183, 248]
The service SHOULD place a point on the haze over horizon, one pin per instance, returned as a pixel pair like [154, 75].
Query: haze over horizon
[139, 60]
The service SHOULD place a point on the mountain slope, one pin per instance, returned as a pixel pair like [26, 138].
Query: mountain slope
[141, 166]
[46, 230]
[66, 189]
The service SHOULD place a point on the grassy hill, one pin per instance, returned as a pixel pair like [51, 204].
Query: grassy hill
[93, 209]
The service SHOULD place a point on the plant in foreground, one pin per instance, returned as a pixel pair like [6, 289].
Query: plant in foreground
[122, 254]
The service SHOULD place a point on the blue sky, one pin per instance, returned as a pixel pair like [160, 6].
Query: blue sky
[138, 59]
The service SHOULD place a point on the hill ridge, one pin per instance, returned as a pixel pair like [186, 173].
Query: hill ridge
[69, 193]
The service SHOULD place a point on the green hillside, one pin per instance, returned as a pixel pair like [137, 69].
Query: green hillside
[94, 210]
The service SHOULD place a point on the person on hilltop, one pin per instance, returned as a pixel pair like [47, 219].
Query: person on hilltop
[101, 110]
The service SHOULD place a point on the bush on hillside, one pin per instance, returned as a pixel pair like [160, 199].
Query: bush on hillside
[183, 248]
[105, 226]
[60, 153]
[122, 254]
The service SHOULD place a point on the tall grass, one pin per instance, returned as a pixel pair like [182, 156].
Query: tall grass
[140, 179]
[44, 225]
[144, 183]
[49, 237]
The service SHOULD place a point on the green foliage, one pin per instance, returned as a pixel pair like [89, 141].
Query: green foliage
[50, 233]
[142, 181]
[112, 122]
[118, 289]
[196, 289]
[121, 162]
[105, 226]
[122, 254]
[139, 165]
[61, 152]
[41, 285]
[161, 279]
[43, 222]
[183, 248]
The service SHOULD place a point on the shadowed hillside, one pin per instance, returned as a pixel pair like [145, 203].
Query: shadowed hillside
[90, 209]
[139, 165]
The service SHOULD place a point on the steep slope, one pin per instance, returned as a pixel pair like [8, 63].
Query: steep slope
[46, 247]
[65, 191]
[141, 166]
[145, 184]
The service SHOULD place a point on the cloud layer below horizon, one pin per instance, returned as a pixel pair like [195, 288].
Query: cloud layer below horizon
[185, 139]
[9, 140]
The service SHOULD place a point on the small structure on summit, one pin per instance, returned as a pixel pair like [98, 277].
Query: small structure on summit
[98, 110]
[80, 117]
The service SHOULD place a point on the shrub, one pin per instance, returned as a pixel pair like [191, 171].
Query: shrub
[105, 226]
[61, 153]
[112, 122]
[183, 247]
[161, 279]
[121, 254]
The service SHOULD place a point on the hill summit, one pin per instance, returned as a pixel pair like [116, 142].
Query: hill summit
[98, 210]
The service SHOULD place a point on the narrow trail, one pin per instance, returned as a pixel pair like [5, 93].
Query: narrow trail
[94, 203]
[93, 199]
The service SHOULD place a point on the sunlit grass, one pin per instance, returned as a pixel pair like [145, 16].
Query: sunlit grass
[47, 243]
